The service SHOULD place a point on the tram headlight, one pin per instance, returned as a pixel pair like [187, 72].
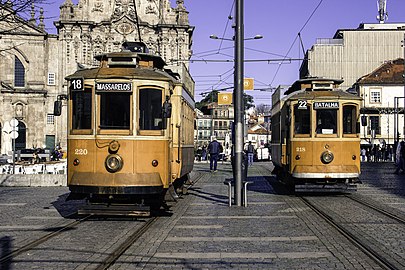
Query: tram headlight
[327, 157]
[113, 163]
[155, 163]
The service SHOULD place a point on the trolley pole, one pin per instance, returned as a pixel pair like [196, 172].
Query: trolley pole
[238, 97]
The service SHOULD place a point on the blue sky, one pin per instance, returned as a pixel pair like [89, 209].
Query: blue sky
[279, 22]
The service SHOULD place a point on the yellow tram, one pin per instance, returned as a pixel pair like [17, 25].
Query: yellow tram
[316, 136]
[130, 129]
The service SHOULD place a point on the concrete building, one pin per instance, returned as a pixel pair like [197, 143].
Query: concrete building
[217, 123]
[352, 53]
[34, 63]
[383, 104]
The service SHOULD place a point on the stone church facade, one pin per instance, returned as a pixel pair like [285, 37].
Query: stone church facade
[34, 63]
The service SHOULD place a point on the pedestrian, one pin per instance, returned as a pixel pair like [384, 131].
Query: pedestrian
[199, 153]
[250, 153]
[214, 148]
[363, 154]
[204, 153]
[400, 157]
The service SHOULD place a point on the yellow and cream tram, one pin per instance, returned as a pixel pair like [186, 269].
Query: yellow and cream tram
[130, 129]
[315, 136]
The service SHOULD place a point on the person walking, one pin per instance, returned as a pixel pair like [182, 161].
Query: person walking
[250, 153]
[400, 157]
[363, 154]
[214, 148]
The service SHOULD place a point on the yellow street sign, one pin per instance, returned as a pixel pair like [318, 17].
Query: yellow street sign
[224, 98]
[248, 84]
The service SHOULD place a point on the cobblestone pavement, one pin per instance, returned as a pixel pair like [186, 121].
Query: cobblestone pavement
[275, 231]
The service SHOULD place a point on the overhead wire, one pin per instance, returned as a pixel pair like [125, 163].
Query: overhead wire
[298, 35]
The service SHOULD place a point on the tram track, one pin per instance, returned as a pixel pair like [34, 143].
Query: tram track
[33, 244]
[357, 241]
[113, 254]
[125, 245]
[376, 208]
[120, 250]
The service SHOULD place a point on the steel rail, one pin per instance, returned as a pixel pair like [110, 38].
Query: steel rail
[376, 208]
[116, 254]
[9, 256]
[381, 261]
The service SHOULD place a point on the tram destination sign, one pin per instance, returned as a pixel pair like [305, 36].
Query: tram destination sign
[113, 87]
[326, 105]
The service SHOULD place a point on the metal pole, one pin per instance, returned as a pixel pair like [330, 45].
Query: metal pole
[403, 45]
[239, 108]
[13, 153]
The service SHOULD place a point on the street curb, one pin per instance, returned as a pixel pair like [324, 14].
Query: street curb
[33, 180]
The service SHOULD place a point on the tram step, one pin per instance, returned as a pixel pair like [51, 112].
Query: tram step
[326, 188]
[115, 210]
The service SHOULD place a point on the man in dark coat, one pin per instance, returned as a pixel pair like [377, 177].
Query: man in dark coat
[214, 148]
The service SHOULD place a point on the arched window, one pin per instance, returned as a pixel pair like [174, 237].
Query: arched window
[19, 73]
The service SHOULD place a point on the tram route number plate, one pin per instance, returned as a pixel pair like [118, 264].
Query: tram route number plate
[302, 104]
[77, 84]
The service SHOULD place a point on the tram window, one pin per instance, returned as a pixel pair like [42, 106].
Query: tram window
[115, 110]
[349, 119]
[150, 109]
[302, 122]
[81, 109]
[326, 121]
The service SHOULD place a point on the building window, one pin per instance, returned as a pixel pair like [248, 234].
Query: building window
[375, 96]
[19, 73]
[374, 124]
[50, 119]
[51, 79]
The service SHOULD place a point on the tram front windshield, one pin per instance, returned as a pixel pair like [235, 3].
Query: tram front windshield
[115, 110]
[326, 121]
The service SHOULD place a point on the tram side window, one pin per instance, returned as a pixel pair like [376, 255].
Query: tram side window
[115, 110]
[326, 121]
[349, 119]
[81, 109]
[302, 124]
[150, 109]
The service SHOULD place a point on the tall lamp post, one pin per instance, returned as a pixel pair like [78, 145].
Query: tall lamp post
[238, 99]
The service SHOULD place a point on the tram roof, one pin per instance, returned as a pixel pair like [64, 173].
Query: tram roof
[322, 94]
[314, 83]
[123, 72]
